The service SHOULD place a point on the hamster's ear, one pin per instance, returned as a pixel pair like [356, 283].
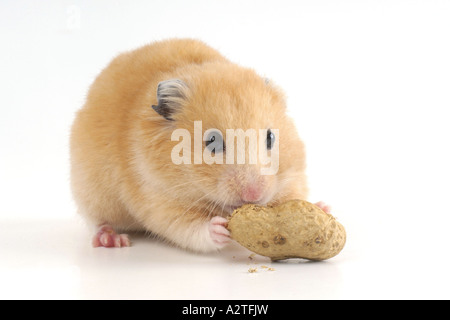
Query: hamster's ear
[170, 95]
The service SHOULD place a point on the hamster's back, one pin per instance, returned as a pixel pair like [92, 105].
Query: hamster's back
[128, 73]
[98, 137]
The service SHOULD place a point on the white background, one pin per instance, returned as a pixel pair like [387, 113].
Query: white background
[367, 82]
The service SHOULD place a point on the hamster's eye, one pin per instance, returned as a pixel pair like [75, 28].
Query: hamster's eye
[214, 142]
[270, 139]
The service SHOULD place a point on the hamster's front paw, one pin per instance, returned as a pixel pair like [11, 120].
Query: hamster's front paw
[108, 238]
[218, 231]
[322, 205]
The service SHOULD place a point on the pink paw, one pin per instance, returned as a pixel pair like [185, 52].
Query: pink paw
[218, 231]
[108, 238]
[322, 205]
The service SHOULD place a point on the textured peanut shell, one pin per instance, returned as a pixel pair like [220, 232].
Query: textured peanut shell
[294, 229]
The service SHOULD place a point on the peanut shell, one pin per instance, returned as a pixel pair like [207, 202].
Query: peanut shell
[294, 229]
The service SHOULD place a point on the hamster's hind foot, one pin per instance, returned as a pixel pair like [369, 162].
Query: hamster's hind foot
[108, 238]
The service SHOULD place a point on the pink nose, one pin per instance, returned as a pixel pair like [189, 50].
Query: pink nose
[251, 194]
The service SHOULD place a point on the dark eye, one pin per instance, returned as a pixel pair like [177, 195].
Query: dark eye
[270, 139]
[214, 142]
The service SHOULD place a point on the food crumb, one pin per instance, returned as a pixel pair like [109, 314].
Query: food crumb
[251, 256]
[252, 270]
[268, 268]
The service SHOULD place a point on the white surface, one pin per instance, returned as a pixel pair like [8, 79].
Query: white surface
[53, 260]
[367, 83]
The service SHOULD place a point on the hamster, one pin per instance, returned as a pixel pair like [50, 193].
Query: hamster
[123, 176]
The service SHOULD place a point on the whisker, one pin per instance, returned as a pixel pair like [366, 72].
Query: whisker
[190, 207]
[166, 191]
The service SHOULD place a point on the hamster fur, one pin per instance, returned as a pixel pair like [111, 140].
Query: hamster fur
[122, 175]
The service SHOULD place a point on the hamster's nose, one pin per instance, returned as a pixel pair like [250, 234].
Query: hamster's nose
[251, 193]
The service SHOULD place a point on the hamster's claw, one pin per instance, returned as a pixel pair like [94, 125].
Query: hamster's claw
[325, 207]
[218, 231]
[108, 238]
